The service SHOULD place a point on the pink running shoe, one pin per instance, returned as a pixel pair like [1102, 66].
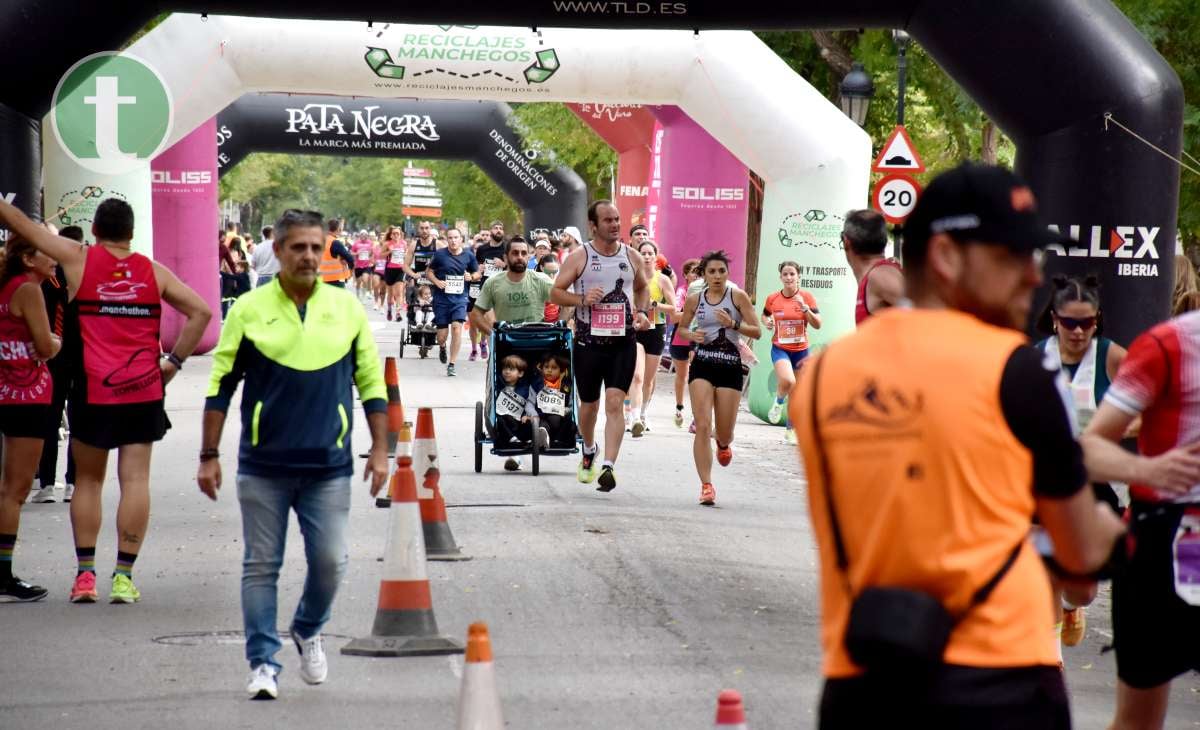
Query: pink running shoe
[84, 590]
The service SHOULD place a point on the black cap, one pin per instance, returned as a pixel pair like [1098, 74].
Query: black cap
[979, 203]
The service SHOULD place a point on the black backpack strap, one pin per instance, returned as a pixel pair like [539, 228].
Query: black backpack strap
[839, 545]
[986, 589]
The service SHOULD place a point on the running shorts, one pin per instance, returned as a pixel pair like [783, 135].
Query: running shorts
[796, 358]
[32, 421]
[363, 270]
[652, 340]
[604, 366]
[719, 376]
[1030, 698]
[110, 426]
[1154, 630]
[680, 352]
[392, 276]
[446, 310]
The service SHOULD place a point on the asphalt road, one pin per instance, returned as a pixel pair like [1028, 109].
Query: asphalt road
[627, 610]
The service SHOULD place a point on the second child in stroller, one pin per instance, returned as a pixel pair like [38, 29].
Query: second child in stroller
[553, 398]
[514, 408]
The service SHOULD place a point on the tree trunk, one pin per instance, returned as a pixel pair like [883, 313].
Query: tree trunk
[989, 143]
[753, 234]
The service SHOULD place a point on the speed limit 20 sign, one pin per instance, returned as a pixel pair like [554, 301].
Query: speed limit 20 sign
[896, 196]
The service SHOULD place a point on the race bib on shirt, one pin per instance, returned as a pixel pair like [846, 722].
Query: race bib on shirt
[490, 269]
[553, 402]
[510, 404]
[473, 292]
[364, 254]
[608, 319]
[455, 284]
[397, 257]
[791, 331]
[1185, 553]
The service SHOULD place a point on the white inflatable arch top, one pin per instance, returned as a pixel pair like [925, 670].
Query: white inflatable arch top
[730, 82]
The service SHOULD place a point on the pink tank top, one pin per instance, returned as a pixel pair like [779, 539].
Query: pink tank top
[861, 311]
[119, 312]
[24, 380]
[364, 253]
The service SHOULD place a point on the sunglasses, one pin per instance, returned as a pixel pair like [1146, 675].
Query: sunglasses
[1073, 323]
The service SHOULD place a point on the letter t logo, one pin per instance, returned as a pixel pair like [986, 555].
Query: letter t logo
[108, 101]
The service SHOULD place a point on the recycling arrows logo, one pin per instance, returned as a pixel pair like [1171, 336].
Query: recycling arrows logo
[380, 61]
[545, 66]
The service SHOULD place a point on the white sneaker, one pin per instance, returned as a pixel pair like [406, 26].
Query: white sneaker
[44, 495]
[263, 685]
[776, 412]
[313, 666]
[68, 492]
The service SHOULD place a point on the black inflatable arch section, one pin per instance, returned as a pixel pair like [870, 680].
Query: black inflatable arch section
[479, 131]
[1047, 72]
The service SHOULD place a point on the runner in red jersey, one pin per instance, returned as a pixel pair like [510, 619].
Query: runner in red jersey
[880, 280]
[118, 400]
[1156, 597]
[26, 394]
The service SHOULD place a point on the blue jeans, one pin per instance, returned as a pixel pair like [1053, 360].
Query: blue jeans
[263, 279]
[323, 509]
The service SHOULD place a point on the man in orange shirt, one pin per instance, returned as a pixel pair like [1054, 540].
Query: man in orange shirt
[933, 436]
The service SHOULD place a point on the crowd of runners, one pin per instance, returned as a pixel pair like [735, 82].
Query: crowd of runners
[935, 387]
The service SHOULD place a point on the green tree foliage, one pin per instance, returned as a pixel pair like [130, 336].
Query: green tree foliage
[948, 127]
[556, 133]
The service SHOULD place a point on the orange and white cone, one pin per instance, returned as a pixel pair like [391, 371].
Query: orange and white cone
[439, 541]
[478, 701]
[730, 713]
[404, 447]
[404, 620]
[395, 409]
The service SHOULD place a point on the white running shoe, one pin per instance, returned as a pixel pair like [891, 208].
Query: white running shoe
[68, 492]
[263, 685]
[45, 495]
[313, 666]
[776, 412]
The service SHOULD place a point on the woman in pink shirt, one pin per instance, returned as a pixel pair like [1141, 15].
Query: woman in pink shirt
[26, 391]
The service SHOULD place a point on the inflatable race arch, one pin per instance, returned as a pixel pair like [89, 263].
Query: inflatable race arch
[1049, 74]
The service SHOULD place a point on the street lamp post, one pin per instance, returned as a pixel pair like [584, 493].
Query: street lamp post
[902, 40]
[856, 92]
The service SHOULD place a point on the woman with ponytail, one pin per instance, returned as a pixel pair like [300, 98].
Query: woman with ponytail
[1089, 361]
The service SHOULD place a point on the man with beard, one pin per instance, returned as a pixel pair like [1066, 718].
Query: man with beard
[932, 436]
[518, 297]
[490, 254]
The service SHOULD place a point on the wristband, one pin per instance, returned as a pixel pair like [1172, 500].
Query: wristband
[209, 454]
[174, 360]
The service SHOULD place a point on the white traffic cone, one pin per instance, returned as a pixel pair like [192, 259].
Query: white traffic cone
[478, 701]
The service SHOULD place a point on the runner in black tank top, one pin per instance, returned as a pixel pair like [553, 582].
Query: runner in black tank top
[605, 283]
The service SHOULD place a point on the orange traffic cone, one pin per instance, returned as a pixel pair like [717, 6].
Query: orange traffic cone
[478, 701]
[403, 448]
[404, 620]
[730, 713]
[439, 541]
[395, 409]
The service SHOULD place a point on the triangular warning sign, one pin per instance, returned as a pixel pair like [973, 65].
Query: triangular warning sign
[898, 154]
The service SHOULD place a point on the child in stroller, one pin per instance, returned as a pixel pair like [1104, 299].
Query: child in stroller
[514, 407]
[421, 329]
[552, 398]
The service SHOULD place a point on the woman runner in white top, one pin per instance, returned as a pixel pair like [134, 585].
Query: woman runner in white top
[722, 315]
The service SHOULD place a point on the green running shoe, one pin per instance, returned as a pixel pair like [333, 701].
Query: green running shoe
[587, 467]
[123, 590]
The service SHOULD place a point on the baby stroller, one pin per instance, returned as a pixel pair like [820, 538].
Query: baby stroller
[531, 341]
[421, 337]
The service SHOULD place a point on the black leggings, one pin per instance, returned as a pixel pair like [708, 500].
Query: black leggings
[508, 428]
[560, 428]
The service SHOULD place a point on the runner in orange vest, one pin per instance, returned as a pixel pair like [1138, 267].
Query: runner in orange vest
[336, 261]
